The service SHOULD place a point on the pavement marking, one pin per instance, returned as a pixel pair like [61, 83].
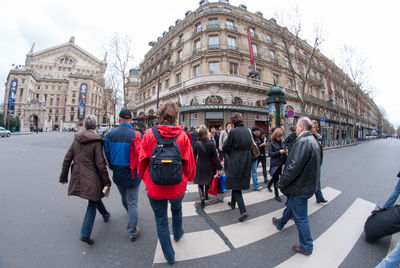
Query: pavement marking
[250, 231]
[194, 245]
[189, 209]
[394, 241]
[333, 246]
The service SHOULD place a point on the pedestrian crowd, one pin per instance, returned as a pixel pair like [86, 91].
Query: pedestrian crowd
[167, 156]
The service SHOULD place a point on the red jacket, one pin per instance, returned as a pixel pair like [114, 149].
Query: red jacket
[159, 192]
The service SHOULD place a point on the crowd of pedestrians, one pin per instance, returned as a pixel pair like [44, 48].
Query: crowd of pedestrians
[166, 157]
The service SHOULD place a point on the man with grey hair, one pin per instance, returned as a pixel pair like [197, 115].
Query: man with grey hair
[299, 182]
[90, 122]
[117, 145]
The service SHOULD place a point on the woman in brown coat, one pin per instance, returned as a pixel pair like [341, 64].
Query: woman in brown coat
[88, 174]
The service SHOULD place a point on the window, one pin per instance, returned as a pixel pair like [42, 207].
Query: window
[72, 117]
[198, 28]
[179, 56]
[229, 25]
[275, 78]
[213, 9]
[166, 83]
[248, 17]
[255, 50]
[287, 63]
[213, 23]
[196, 70]
[180, 39]
[73, 94]
[73, 100]
[23, 81]
[214, 67]
[233, 68]
[272, 55]
[269, 39]
[178, 78]
[232, 43]
[252, 32]
[213, 42]
[153, 90]
[228, 10]
[290, 83]
[72, 109]
[197, 46]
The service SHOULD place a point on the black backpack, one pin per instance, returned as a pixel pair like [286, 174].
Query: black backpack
[382, 222]
[166, 161]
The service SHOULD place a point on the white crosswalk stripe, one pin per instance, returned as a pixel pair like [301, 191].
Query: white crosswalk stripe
[250, 231]
[332, 247]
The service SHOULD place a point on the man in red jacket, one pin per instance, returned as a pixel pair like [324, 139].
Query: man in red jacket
[159, 195]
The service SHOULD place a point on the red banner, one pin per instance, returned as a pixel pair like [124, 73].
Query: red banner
[250, 46]
[328, 81]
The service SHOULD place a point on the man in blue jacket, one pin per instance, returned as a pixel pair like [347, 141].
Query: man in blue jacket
[117, 144]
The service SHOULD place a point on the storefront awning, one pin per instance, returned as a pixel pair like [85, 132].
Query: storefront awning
[236, 108]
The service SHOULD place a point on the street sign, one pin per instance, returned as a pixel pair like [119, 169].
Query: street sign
[322, 119]
[290, 113]
[290, 121]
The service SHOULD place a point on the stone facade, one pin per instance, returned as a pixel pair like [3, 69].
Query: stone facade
[49, 87]
[205, 65]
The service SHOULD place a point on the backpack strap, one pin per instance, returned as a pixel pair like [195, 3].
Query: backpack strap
[158, 136]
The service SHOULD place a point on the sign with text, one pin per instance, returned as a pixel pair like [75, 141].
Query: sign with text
[82, 101]
[11, 97]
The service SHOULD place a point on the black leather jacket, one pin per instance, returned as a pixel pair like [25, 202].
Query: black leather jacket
[302, 169]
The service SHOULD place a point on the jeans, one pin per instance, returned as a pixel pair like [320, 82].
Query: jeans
[393, 197]
[160, 209]
[130, 200]
[237, 197]
[318, 193]
[263, 161]
[391, 260]
[297, 207]
[88, 221]
[254, 173]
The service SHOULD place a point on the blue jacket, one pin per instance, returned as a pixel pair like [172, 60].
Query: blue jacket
[117, 148]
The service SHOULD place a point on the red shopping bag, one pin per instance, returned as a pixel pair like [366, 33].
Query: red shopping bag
[213, 190]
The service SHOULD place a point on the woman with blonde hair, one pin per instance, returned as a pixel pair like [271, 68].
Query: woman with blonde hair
[278, 158]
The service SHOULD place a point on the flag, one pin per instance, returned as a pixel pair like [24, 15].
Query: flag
[328, 81]
[250, 46]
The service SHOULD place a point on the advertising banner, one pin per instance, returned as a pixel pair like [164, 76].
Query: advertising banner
[272, 115]
[250, 45]
[11, 97]
[82, 101]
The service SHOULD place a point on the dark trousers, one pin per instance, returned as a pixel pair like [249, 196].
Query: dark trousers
[237, 197]
[263, 160]
[274, 180]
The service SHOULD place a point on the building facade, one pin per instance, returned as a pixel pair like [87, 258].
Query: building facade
[205, 66]
[56, 88]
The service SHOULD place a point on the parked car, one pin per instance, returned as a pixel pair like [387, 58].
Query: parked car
[4, 132]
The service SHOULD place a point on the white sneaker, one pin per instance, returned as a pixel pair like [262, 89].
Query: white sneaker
[258, 188]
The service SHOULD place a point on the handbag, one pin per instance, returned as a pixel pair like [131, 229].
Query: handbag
[255, 151]
[213, 190]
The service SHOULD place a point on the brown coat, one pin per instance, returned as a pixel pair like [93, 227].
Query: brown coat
[88, 170]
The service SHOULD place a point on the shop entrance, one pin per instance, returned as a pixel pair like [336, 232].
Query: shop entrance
[214, 123]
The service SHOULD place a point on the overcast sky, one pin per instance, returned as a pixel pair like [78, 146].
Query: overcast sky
[368, 26]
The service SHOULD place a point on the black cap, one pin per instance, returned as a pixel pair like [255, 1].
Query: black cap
[125, 113]
[256, 128]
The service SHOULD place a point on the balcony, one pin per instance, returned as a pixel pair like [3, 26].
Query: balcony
[231, 28]
[213, 26]
[196, 51]
[235, 48]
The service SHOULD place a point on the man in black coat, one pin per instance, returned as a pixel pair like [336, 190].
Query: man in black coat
[299, 182]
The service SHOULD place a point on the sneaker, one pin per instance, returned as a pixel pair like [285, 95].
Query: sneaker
[183, 231]
[322, 201]
[243, 217]
[277, 198]
[269, 189]
[258, 188]
[87, 240]
[134, 238]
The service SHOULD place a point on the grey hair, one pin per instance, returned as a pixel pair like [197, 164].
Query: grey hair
[305, 122]
[90, 122]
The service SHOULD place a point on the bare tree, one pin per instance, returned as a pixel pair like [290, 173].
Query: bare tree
[300, 56]
[121, 57]
[113, 83]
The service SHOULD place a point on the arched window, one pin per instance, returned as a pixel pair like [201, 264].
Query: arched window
[194, 101]
[151, 112]
[214, 100]
[141, 114]
[237, 101]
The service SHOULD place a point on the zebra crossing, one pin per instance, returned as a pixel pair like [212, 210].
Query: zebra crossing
[330, 248]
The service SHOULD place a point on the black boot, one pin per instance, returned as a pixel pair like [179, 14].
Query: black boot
[206, 192]
[201, 193]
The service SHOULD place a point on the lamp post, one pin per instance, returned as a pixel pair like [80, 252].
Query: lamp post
[276, 100]
[152, 44]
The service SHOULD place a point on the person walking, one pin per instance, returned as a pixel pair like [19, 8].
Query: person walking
[393, 197]
[318, 194]
[207, 164]
[299, 182]
[238, 168]
[88, 174]
[222, 138]
[291, 138]
[256, 131]
[278, 157]
[160, 195]
[262, 158]
[117, 147]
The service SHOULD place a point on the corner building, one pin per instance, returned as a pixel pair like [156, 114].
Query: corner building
[203, 64]
[57, 87]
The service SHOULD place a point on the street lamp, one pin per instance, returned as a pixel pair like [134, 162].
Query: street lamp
[152, 44]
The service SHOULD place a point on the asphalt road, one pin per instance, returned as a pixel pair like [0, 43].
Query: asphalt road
[40, 224]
